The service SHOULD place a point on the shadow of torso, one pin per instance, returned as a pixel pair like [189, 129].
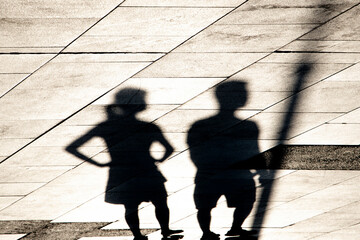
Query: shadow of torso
[133, 175]
[214, 151]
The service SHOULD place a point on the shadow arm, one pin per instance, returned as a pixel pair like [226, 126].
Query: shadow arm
[73, 148]
[168, 148]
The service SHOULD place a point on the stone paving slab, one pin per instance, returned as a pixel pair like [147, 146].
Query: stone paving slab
[184, 3]
[178, 52]
[56, 8]
[212, 65]
[8, 81]
[282, 77]
[235, 38]
[22, 64]
[42, 32]
[11, 236]
[285, 12]
[331, 31]
[125, 21]
[322, 46]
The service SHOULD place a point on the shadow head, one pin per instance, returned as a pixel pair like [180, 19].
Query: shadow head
[231, 95]
[128, 101]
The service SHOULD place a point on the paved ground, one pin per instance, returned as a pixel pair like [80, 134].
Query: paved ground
[63, 62]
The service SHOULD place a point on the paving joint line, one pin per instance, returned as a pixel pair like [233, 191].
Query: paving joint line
[111, 88]
[60, 51]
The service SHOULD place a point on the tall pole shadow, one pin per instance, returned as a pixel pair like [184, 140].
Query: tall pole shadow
[278, 156]
[133, 174]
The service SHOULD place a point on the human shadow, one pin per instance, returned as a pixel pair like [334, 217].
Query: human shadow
[133, 174]
[217, 144]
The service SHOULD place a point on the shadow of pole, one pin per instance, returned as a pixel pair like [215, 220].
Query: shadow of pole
[300, 75]
[278, 156]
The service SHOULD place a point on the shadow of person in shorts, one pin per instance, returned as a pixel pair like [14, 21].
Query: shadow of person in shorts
[133, 174]
[216, 144]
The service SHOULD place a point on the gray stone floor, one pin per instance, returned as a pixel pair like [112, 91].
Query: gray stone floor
[63, 62]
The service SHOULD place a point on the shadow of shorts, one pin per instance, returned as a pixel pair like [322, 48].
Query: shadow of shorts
[238, 193]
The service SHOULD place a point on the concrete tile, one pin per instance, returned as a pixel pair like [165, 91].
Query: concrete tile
[221, 216]
[7, 201]
[349, 194]
[326, 96]
[184, 3]
[178, 167]
[46, 103]
[24, 63]
[256, 100]
[174, 185]
[62, 136]
[177, 140]
[146, 216]
[95, 210]
[18, 174]
[351, 117]
[25, 128]
[200, 65]
[120, 224]
[42, 32]
[56, 9]
[285, 12]
[58, 197]
[47, 94]
[48, 156]
[132, 44]
[95, 114]
[11, 145]
[282, 76]
[171, 90]
[279, 235]
[327, 222]
[157, 21]
[349, 74]
[349, 58]
[308, 203]
[164, 90]
[11, 236]
[322, 46]
[271, 124]
[301, 183]
[243, 38]
[283, 218]
[155, 111]
[18, 189]
[330, 134]
[284, 193]
[7, 81]
[352, 229]
[189, 225]
[318, 177]
[32, 50]
[90, 116]
[106, 57]
[181, 204]
[181, 120]
[82, 75]
[351, 181]
[83, 176]
[336, 235]
[349, 29]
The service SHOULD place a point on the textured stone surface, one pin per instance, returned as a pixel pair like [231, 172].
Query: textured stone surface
[179, 52]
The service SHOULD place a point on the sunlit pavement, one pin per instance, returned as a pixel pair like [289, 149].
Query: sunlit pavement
[62, 63]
